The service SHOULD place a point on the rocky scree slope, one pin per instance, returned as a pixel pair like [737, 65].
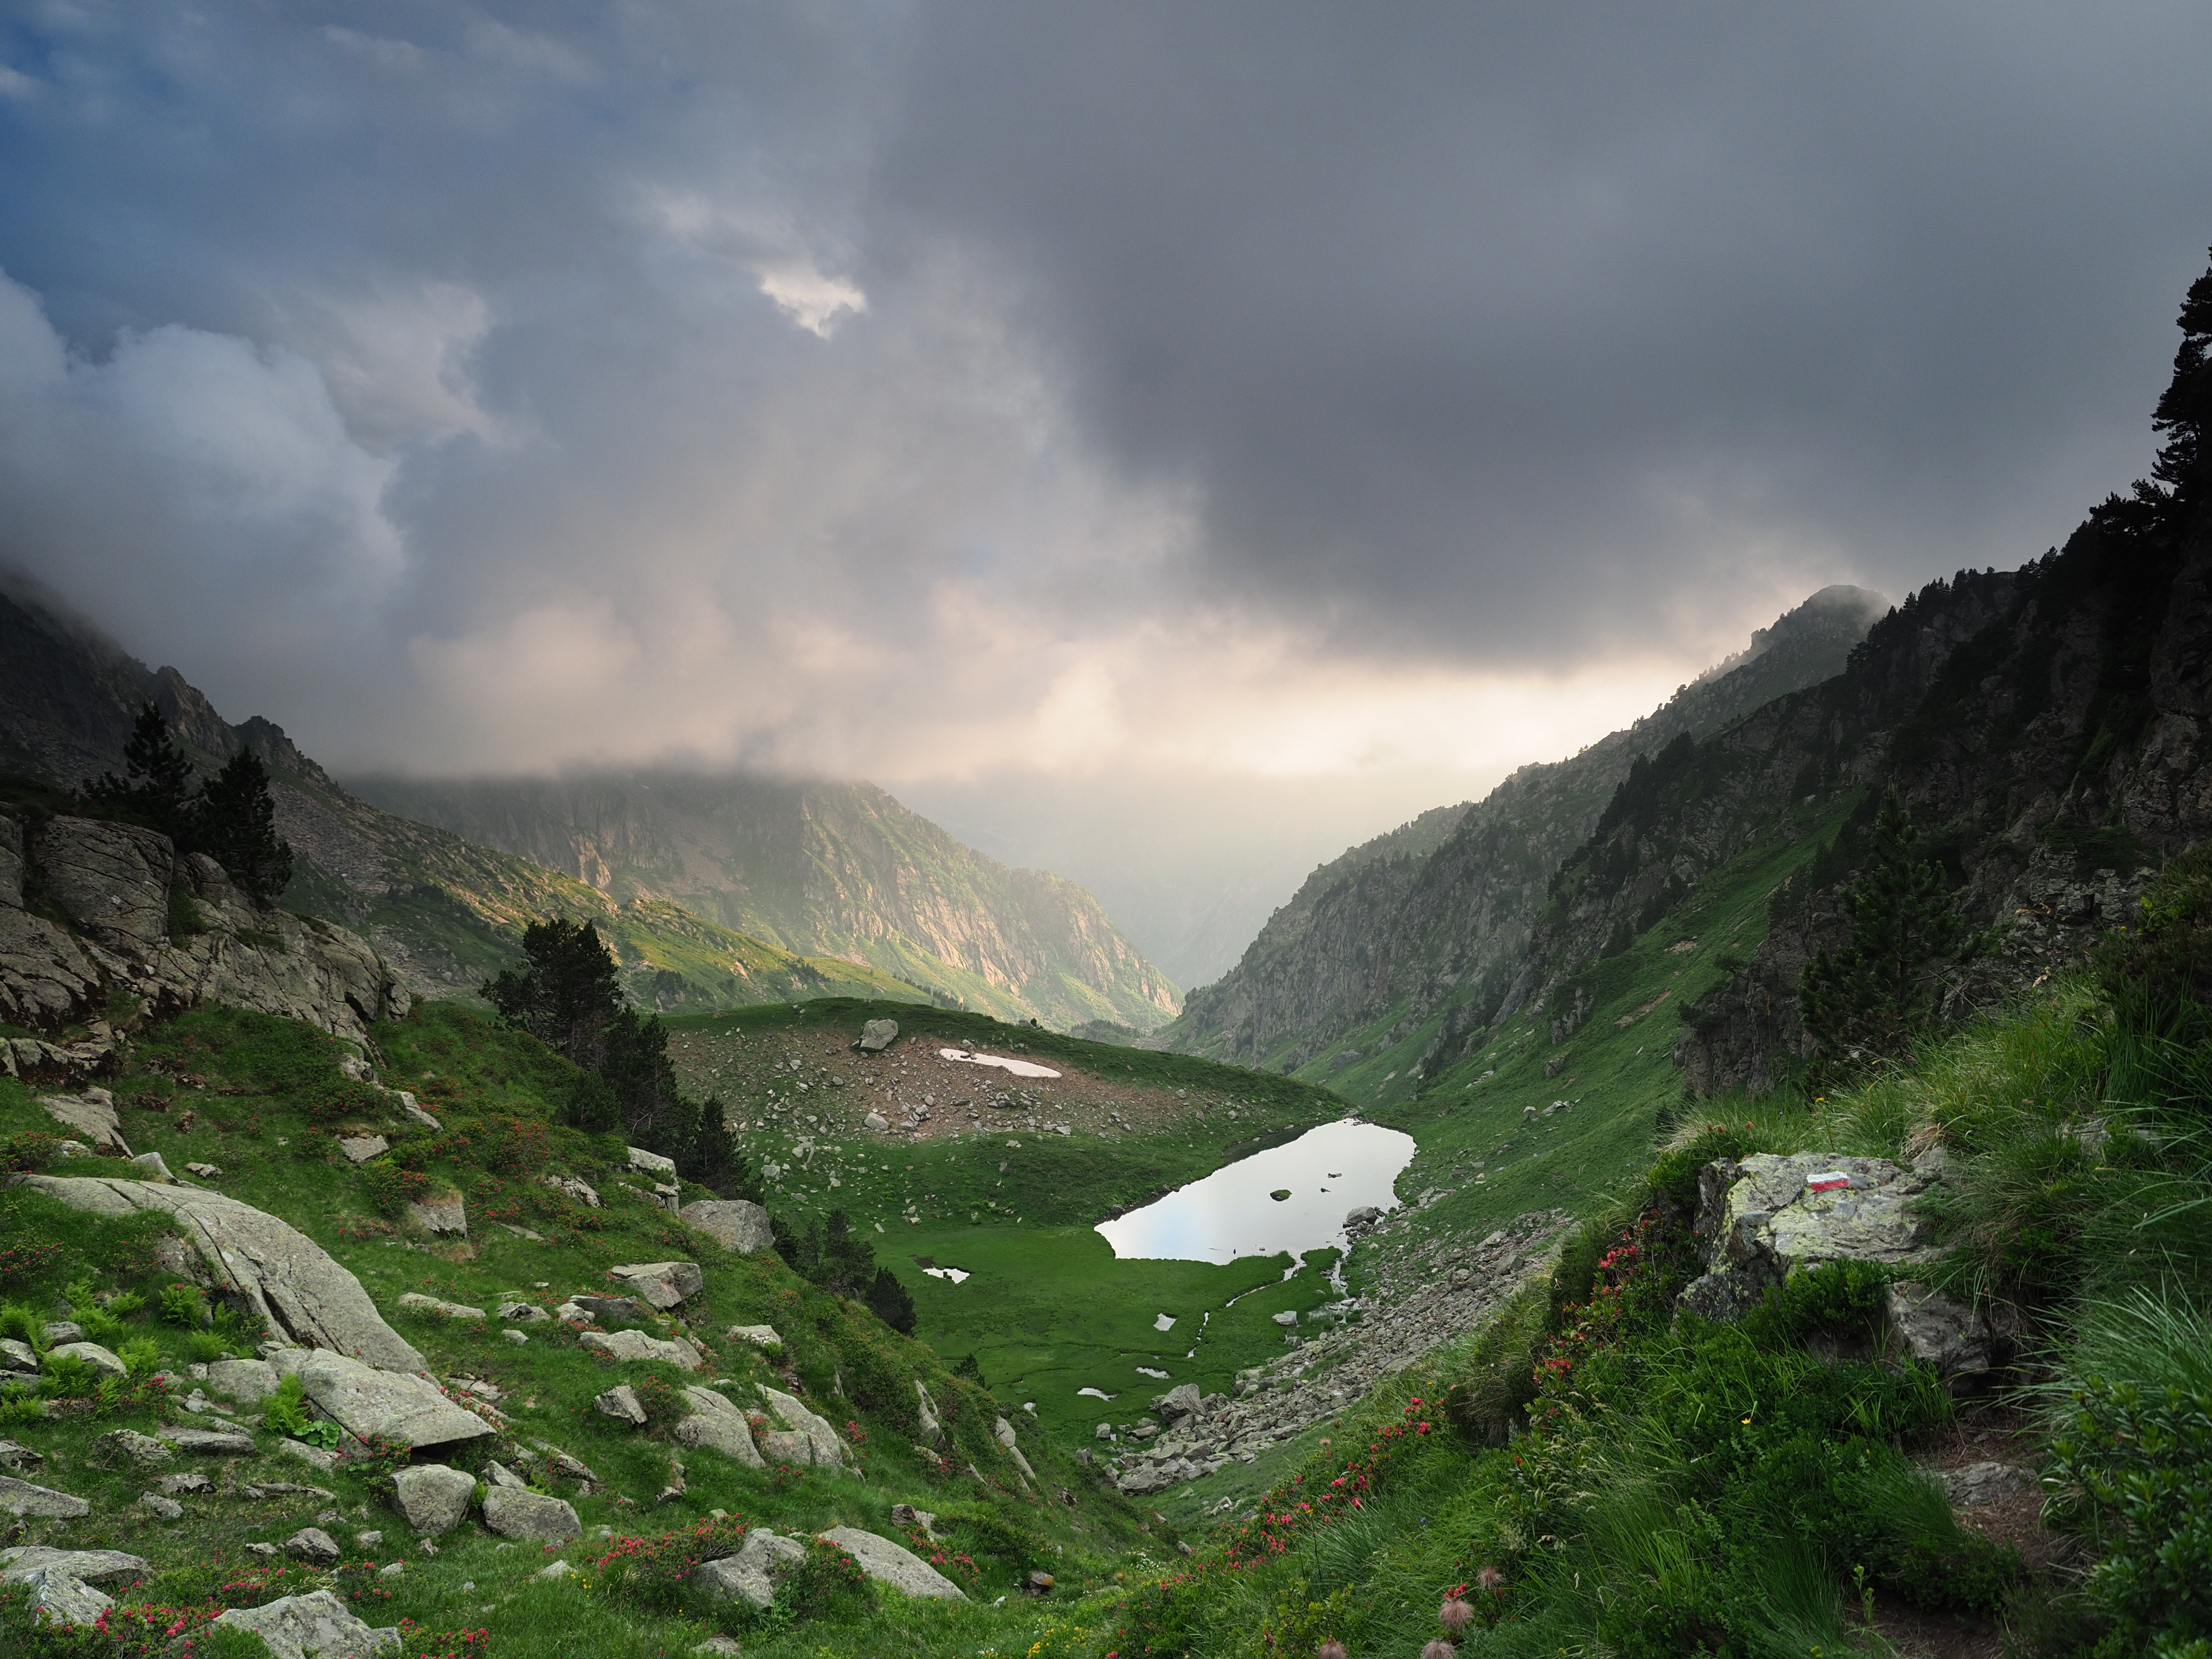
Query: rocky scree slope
[1439, 911]
[444, 912]
[819, 868]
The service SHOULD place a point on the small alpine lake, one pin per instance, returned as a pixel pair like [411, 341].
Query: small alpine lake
[1240, 1209]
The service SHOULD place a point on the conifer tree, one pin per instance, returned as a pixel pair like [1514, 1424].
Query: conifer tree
[1875, 994]
[566, 992]
[234, 822]
[155, 789]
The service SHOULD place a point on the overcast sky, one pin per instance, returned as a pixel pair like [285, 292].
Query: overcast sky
[1198, 409]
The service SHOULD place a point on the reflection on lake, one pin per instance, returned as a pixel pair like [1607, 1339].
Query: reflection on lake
[1329, 1171]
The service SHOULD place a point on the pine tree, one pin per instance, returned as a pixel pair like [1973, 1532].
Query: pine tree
[155, 789]
[892, 1302]
[637, 1068]
[566, 994]
[234, 822]
[1874, 996]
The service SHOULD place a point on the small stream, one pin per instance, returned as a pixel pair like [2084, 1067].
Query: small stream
[1328, 1172]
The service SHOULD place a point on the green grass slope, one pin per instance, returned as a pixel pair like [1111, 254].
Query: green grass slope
[263, 1099]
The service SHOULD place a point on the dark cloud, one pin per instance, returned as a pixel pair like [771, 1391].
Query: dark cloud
[1476, 327]
[944, 390]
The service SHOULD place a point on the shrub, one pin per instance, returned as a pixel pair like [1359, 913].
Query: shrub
[663, 1400]
[331, 1100]
[829, 1582]
[391, 1188]
[31, 1152]
[2133, 1406]
[654, 1573]
[1296, 1625]
[140, 1355]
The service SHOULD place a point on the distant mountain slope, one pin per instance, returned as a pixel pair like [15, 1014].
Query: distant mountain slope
[1439, 911]
[826, 869]
[444, 912]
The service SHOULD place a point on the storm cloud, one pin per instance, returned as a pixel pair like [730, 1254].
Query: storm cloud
[961, 391]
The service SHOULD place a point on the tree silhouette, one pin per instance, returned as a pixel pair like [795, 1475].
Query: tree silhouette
[234, 822]
[566, 994]
[155, 789]
[1873, 997]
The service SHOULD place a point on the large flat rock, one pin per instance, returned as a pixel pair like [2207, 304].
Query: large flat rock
[518, 1512]
[894, 1564]
[93, 1566]
[737, 1224]
[299, 1625]
[636, 1345]
[371, 1404]
[22, 1498]
[287, 1278]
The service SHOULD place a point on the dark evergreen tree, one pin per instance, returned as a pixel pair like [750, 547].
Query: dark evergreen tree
[708, 1154]
[892, 1302]
[1875, 996]
[234, 822]
[634, 1061]
[155, 789]
[972, 1369]
[592, 1106]
[2184, 468]
[566, 994]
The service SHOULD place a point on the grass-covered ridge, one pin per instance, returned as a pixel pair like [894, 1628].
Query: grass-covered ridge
[264, 1100]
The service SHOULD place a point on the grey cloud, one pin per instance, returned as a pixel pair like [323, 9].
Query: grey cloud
[1490, 327]
[735, 350]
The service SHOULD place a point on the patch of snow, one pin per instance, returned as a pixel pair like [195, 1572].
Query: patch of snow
[1018, 1067]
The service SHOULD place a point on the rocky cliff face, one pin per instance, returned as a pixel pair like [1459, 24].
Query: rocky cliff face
[92, 912]
[823, 869]
[1439, 912]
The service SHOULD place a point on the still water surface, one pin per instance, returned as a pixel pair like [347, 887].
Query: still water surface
[1329, 1171]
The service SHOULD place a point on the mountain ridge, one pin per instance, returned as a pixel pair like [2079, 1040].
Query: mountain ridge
[817, 866]
[445, 912]
[1386, 922]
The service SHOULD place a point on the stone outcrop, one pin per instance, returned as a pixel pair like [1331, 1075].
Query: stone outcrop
[58, 1598]
[877, 1035]
[524, 1514]
[120, 889]
[660, 1285]
[894, 1564]
[370, 1404]
[107, 1567]
[636, 1345]
[714, 1422]
[754, 1573]
[271, 1268]
[22, 1498]
[737, 1224]
[433, 1497]
[1759, 1218]
[828, 1451]
[317, 1626]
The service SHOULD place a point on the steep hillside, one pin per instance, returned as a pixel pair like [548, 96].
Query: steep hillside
[819, 868]
[2044, 728]
[1379, 939]
[444, 912]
